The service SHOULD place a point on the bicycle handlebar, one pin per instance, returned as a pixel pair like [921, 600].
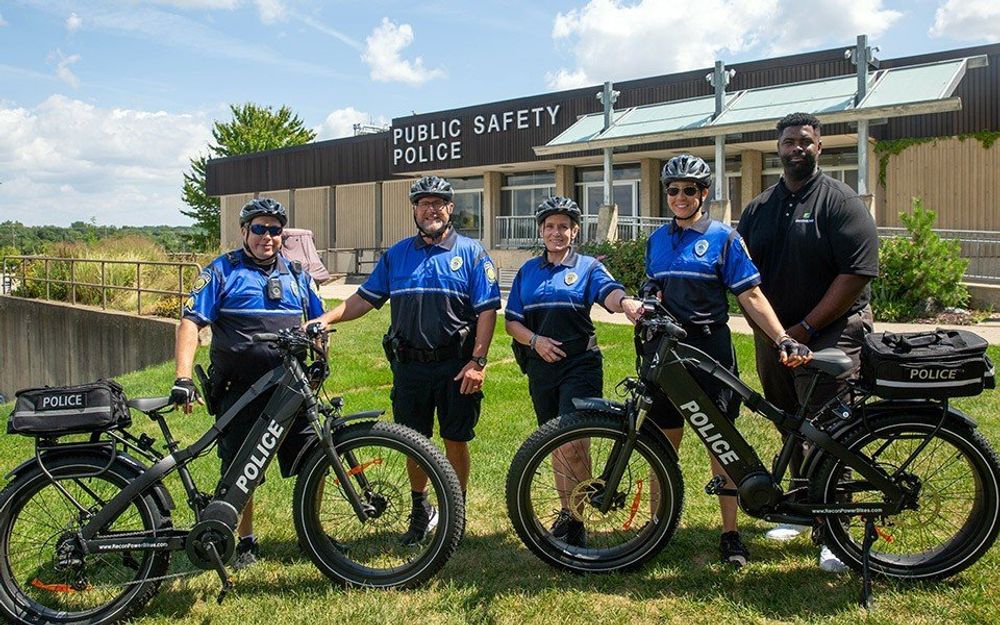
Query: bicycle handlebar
[657, 319]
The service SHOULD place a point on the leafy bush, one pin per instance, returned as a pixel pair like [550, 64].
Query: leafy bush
[626, 260]
[919, 275]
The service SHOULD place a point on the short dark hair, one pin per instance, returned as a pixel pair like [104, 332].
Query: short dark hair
[798, 119]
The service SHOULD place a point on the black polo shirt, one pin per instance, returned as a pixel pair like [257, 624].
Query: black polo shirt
[801, 241]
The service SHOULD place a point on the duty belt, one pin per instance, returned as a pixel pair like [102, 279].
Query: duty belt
[413, 354]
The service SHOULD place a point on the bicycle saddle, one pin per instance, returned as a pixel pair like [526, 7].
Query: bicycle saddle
[831, 361]
[149, 404]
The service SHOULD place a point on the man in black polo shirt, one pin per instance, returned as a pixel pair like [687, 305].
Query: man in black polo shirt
[816, 247]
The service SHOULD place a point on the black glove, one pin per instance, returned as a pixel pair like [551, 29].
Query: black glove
[790, 347]
[183, 392]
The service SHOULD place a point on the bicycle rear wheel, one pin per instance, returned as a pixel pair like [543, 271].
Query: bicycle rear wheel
[957, 518]
[556, 472]
[37, 584]
[375, 553]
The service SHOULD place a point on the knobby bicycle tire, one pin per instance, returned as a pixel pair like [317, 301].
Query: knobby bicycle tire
[958, 514]
[634, 531]
[34, 514]
[372, 554]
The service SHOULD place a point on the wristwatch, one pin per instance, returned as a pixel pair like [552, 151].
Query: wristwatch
[479, 360]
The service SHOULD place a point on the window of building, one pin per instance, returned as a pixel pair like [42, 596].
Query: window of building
[468, 215]
[522, 193]
[624, 183]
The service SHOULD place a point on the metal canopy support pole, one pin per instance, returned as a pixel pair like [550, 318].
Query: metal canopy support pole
[607, 219]
[862, 56]
[719, 79]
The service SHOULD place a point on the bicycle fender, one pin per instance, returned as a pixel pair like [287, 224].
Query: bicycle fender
[164, 500]
[815, 456]
[313, 441]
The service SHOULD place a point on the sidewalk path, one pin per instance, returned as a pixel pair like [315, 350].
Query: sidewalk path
[989, 330]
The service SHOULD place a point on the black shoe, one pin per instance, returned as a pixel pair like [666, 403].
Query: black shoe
[569, 530]
[423, 519]
[247, 554]
[733, 550]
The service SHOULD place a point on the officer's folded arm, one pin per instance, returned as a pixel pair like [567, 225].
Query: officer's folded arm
[756, 306]
[546, 348]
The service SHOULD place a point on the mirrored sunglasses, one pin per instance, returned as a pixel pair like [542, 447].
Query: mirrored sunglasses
[688, 191]
[260, 229]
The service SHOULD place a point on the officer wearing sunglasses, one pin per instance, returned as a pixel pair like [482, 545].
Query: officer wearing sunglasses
[691, 263]
[241, 293]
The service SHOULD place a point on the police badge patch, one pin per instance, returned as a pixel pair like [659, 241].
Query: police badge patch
[201, 281]
[491, 272]
[456, 263]
[570, 278]
[701, 247]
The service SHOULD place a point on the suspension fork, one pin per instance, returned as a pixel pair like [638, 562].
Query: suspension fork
[621, 451]
[362, 509]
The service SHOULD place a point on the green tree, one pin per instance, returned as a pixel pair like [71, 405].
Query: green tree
[253, 128]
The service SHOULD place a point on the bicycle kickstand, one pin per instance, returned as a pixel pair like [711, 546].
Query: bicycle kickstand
[220, 568]
[866, 576]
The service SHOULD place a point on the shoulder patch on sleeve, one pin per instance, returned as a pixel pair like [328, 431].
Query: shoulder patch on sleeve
[204, 279]
[490, 271]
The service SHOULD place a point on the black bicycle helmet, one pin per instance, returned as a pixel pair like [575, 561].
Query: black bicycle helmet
[557, 205]
[263, 206]
[687, 167]
[433, 186]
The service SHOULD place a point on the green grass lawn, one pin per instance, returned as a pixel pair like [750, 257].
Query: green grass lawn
[494, 579]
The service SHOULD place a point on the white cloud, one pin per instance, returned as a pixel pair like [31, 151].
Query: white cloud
[2, 22]
[971, 20]
[340, 123]
[66, 160]
[73, 22]
[382, 54]
[271, 10]
[63, 71]
[612, 40]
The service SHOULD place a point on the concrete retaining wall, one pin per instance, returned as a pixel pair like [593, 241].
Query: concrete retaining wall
[53, 343]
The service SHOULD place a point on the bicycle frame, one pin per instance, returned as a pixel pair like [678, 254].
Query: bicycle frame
[759, 490]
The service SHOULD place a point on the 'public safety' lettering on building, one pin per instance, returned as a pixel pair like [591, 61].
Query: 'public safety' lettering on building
[441, 141]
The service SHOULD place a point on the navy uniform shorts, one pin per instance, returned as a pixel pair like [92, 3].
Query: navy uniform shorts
[238, 431]
[554, 385]
[718, 345]
[419, 389]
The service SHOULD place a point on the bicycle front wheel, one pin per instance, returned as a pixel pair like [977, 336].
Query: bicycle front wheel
[556, 474]
[382, 552]
[40, 584]
[957, 515]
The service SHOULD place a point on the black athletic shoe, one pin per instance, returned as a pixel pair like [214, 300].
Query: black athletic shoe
[569, 530]
[247, 554]
[733, 550]
[423, 519]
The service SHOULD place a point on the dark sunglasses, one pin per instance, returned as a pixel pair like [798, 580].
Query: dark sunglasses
[260, 229]
[688, 191]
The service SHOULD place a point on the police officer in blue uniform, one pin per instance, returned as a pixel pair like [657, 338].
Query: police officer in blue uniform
[242, 293]
[692, 262]
[443, 297]
[548, 316]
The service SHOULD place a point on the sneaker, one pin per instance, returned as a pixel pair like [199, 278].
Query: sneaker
[733, 550]
[569, 530]
[247, 554]
[785, 532]
[423, 519]
[829, 562]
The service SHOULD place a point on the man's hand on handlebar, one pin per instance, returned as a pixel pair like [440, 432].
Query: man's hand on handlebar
[791, 353]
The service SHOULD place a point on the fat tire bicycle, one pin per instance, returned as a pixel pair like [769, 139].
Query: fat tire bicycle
[86, 533]
[905, 489]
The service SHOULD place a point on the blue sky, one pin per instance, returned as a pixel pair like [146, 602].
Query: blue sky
[102, 103]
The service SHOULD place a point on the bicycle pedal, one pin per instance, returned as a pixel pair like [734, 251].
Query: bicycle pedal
[226, 587]
[715, 485]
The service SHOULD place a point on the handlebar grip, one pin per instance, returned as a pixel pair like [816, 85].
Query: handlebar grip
[676, 331]
[264, 337]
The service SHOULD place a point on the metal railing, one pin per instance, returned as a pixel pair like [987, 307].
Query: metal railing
[980, 247]
[521, 232]
[26, 277]
[363, 259]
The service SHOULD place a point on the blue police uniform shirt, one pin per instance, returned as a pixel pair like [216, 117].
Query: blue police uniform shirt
[435, 291]
[231, 295]
[693, 267]
[555, 300]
